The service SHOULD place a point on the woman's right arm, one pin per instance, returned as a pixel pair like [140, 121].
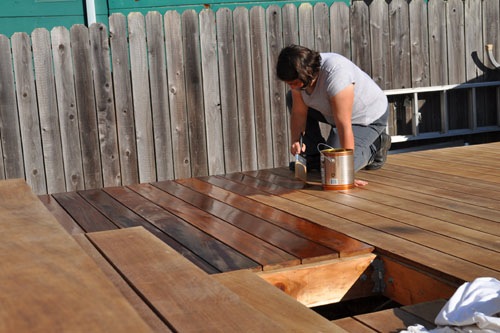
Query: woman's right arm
[298, 120]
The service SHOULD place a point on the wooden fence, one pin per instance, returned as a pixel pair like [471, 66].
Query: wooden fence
[189, 94]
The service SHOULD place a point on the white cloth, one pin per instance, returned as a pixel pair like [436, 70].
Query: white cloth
[474, 307]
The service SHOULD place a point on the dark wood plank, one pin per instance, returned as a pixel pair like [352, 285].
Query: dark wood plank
[187, 298]
[62, 216]
[265, 254]
[297, 246]
[125, 218]
[234, 194]
[184, 238]
[47, 282]
[87, 217]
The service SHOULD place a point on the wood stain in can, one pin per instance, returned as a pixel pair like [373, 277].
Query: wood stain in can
[337, 169]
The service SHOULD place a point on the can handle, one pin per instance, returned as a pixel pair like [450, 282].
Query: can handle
[331, 159]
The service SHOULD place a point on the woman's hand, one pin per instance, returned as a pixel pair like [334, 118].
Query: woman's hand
[296, 148]
[360, 183]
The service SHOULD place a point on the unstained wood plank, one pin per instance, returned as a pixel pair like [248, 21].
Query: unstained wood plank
[47, 282]
[180, 292]
[275, 303]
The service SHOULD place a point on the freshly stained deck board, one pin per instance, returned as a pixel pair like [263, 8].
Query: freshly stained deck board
[297, 246]
[235, 196]
[81, 211]
[61, 215]
[47, 282]
[264, 253]
[219, 255]
[325, 212]
[123, 217]
[436, 220]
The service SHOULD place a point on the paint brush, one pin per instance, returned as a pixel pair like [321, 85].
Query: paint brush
[300, 165]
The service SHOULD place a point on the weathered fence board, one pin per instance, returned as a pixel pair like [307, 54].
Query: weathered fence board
[380, 44]
[106, 119]
[260, 74]
[47, 109]
[244, 91]
[28, 112]
[10, 133]
[419, 44]
[228, 94]
[169, 96]
[159, 96]
[211, 93]
[123, 100]
[194, 93]
[87, 117]
[279, 115]
[68, 114]
[177, 95]
[141, 97]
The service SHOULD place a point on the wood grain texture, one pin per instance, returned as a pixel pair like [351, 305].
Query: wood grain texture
[28, 112]
[194, 94]
[320, 283]
[160, 107]
[141, 92]
[123, 99]
[12, 161]
[87, 116]
[276, 304]
[185, 291]
[228, 97]
[291, 243]
[47, 109]
[67, 109]
[47, 282]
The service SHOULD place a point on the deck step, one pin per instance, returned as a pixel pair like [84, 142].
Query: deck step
[188, 299]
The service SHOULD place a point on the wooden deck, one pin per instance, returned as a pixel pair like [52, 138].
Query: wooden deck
[427, 222]
[432, 214]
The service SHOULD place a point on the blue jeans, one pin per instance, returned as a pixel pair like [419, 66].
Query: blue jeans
[365, 137]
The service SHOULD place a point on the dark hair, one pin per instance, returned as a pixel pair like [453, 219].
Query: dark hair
[298, 62]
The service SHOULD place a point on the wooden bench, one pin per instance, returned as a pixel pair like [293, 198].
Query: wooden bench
[186, 299]
[393, 320]
[47, 282]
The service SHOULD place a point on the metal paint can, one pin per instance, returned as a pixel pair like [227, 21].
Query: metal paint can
[337, 169]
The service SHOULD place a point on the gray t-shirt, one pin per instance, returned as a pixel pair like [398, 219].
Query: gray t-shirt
[336, 73]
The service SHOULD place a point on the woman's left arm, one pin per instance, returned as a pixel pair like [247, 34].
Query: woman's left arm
[341, 105]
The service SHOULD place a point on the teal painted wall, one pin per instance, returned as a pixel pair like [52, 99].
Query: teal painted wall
[26, 15]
